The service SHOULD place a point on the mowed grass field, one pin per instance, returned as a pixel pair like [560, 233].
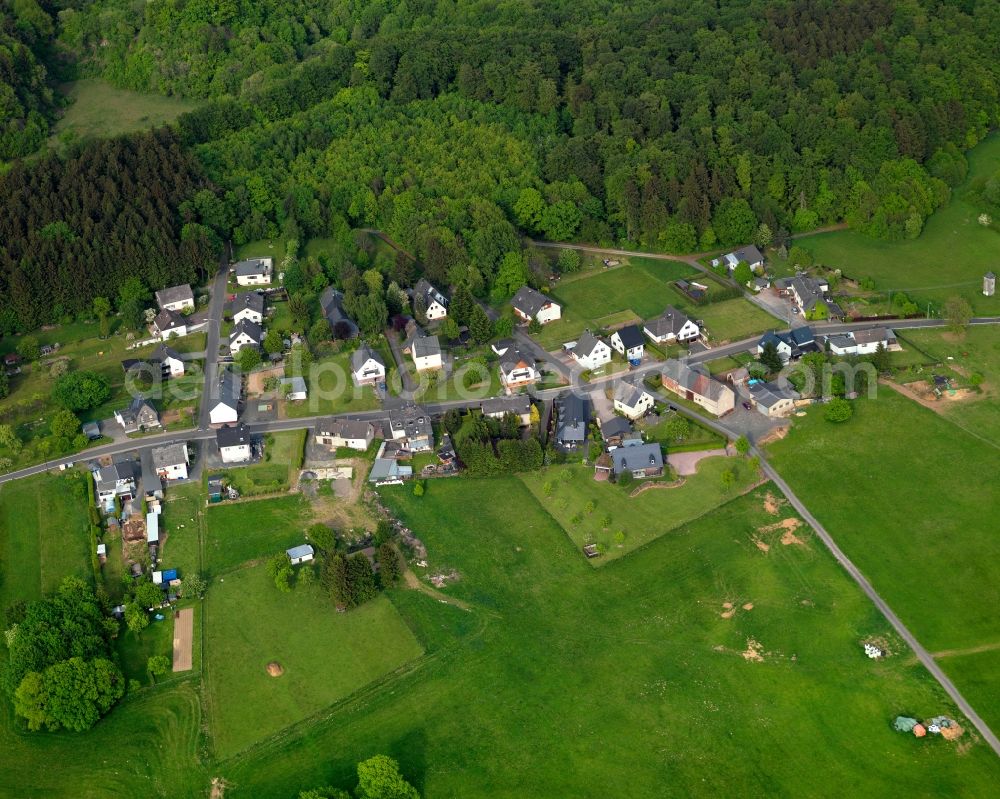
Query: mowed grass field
[325, 655]
[638, 290]
[99, 109]
[627, 680]
[242, 531]
[950, 256]
[43, 535]
[331, 390]
[568, 492]
[180, 528]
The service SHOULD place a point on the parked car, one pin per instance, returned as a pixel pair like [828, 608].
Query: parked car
[747, 405]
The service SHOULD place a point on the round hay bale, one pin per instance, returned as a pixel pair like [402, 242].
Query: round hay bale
[274, 669]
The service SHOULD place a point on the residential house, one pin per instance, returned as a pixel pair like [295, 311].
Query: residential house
[590, 351]
[791, 344]
[517, 369]
[226, 406]
[168, 324]
[446, 455]
[411, 426]
[234, 443]
[367, 366]
[738, 377]
[615, 430]
[811, 297]
[628, 341]
[758, 284]
[426, 353]
[781, 343]
[176, 298]
[171, 363]
[352, 434]
[861, 342]
[498, 407]
[639, 460]
[171, 461]
[152, 483]
[303, 553]
[531, 305]
[671, 326]
[694, 384]
[751, 256]
[254, 271]
[250, 306]
[501, 346]
[572, 417]
[116, 480]
[435, 303]
[140, 415]
[772, 400]
[245, 334]
[632, 399]
[294, 388]
[331, 302]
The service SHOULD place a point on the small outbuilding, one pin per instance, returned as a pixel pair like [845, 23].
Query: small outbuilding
[300, 554]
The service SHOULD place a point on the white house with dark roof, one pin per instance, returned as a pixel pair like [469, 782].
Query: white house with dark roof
[349, 433]
[254, 271]
[169, 324]
[640, 460]
[628, 341]
[116, 480]
[171, 363]
[171, 461]
[426, 353]
[861, 342]
[632, 399]
[435, 303]
[245, 334]
[225, 408]
[234, 443]
[751, 256]
[517, 369]
[671, 326]
[249, 305]
[367, 366]
[590, 351]
[411, 426]
[498, 407]
[294, 388]
[176, 298]
[529, 304]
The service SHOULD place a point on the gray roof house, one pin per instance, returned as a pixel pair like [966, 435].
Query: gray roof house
[573, 414]
[425, 347]
[367, 364]
[531, 304]
[412, 425]
[641, 460]
[250, 305]
[772, 400]
[331, 302]
[139, 415]
[671, 325]
[517, 404]
[175, 297]
[169, 322]
[300, 554]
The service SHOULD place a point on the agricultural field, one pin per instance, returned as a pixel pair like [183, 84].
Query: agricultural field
[893, 486]
[325, 655]
[639, 667]
[241, 531]
[640, 289]
[950, 256]
[98, 109]
[593, 512]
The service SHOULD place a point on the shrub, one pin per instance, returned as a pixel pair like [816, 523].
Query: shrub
[838, 410]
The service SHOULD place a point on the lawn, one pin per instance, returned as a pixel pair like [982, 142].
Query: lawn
[699, 437]
[252, 529]
[180, 528]
[43, 535]
[732, 320]
[976, 674]
[283, 454]
[627, 680]
[977, 351]
[99, 109]
[326, 656]
[136, 650]
[909, 497]
[593, 512]
[949, 257]
[331, 390]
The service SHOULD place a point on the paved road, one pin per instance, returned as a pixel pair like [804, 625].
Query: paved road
[215, 311]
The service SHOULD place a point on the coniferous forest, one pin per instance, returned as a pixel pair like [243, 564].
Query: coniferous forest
[456, 126]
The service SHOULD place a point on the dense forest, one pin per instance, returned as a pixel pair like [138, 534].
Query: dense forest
[455, 126]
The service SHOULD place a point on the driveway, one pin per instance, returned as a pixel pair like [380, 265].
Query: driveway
[687, 462]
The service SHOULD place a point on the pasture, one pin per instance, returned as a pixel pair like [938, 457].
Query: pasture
[325, 655]
[631, 679]
[949, 257]
[593, 512]
[98, 110]
[247, 530]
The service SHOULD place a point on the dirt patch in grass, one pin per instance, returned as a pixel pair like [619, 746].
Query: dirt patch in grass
[748, 606]
[647, 486]
[256, 380]
[274, 669]
[772, 504]
[754, 651]
[763, 546]
[787, 528]
[218, 788]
